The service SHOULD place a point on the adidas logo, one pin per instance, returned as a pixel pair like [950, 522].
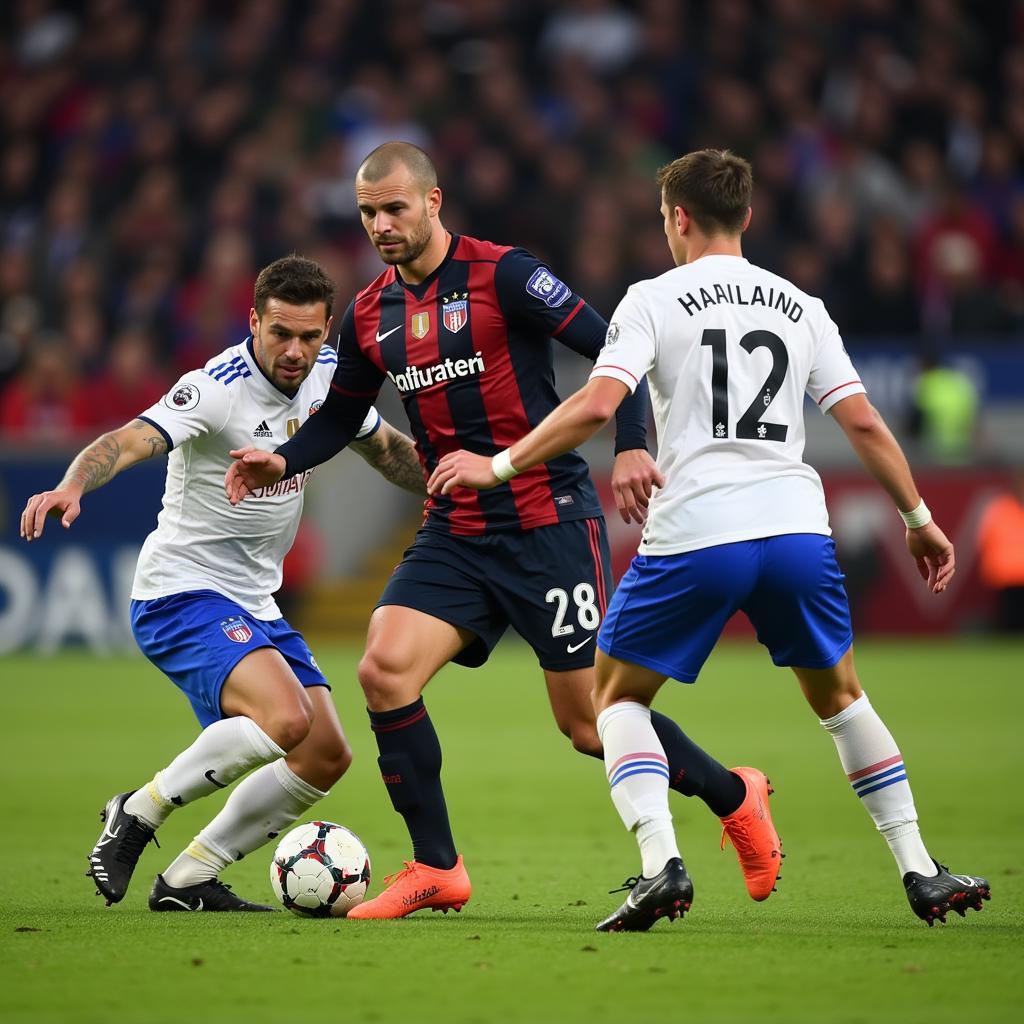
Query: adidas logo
[263, 430]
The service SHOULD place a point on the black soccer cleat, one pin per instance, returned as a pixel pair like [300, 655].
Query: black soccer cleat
[668, 894]
[932, 898]
[213, 895]
[118, 849]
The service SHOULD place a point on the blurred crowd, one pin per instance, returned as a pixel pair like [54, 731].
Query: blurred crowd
[153, 155]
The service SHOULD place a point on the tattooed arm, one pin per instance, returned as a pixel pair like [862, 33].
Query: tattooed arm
[393, 455]
[92, 467]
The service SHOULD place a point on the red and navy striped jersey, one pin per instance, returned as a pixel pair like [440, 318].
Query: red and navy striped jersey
[470, 352]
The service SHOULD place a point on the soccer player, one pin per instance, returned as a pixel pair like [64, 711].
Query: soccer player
[202, 606]
[739, 523]
[463, 329]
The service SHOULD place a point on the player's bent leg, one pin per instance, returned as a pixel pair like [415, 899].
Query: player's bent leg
[263, 688]
[638, 774]
[324, 756]
[571, 694]
[404, 649]
[260, 691]
[274, 713]
[877, 773]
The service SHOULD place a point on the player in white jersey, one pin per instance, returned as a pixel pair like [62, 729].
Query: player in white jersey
[202, 603]
[738, 521]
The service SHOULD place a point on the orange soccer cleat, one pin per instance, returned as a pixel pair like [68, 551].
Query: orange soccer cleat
[753, 835]
[417, 887]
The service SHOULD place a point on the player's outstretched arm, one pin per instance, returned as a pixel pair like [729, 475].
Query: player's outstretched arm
[882, 456]
[91, 468]
[394, 456]
[576, 419]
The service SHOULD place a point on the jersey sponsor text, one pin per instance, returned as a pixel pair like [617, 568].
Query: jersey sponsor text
[413, 379]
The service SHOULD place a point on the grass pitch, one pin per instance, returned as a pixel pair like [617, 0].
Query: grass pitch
[543, 846]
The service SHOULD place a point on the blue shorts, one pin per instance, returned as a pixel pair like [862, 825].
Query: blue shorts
[669, 611]
[198, 637]
[550, 584]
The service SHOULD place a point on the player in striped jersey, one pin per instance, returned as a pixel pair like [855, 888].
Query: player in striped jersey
[203, 609]
[739, 521]
[463, 329]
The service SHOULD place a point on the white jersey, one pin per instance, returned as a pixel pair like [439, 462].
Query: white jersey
[201, 541]
[729, 351]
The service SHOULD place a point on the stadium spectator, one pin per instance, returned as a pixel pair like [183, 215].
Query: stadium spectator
[129, 382]
[47, 402]
[1001, 554]
[944, 412]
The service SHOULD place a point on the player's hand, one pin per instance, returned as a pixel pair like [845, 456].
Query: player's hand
[462, 469]
[65, 503]
[933, 553]
[634, 477]
[252, 468]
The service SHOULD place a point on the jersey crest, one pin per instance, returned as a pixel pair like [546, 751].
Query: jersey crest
[237, 630]
[455, 311]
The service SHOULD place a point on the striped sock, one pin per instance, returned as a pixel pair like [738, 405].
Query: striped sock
[875, 768]
[638, 775]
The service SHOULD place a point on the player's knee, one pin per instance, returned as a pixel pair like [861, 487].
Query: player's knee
[289, 726]
[381, 678]
[584, 738]
[334, 760]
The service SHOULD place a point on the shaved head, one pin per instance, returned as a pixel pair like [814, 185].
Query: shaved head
[391, 155]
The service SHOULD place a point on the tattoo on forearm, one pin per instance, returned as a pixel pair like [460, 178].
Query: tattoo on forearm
[394, 457]
[95, 465]
[156, 442]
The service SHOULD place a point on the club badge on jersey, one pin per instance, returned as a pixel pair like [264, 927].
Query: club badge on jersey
[236, 630]
[455, 311]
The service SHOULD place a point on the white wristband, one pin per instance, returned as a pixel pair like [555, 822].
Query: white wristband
[501, 465]
[919, 516]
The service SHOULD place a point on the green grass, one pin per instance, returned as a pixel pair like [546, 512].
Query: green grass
[543, 845]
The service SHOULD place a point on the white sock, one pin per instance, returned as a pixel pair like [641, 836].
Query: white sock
[657, 841]
[260, 807]
[874, 766]
[222, 752]
[637, 770]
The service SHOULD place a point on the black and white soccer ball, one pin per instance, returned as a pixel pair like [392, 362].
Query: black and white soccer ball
[320, 870]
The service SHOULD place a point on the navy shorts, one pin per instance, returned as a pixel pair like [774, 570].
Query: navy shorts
[669, 611]
[550, 584]
[198, 637]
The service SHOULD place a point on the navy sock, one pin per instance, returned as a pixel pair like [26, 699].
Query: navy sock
[410, 765]
[694, 772]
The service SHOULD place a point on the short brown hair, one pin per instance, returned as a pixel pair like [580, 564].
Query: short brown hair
[386, 157]
[712, 185]
[295, 280]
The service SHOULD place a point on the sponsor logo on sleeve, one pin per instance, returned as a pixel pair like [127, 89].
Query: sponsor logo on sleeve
[612, 336]
[315, 406]
[546, 287]
[182, 398]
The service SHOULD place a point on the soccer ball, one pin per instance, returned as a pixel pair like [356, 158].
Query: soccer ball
[320, 870]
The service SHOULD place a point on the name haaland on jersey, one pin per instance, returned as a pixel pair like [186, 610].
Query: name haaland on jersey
[201, 541]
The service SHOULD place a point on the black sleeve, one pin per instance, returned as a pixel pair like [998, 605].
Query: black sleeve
[531, 296]
[355, 385]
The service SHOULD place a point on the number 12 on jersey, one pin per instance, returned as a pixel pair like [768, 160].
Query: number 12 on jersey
[749, 426]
